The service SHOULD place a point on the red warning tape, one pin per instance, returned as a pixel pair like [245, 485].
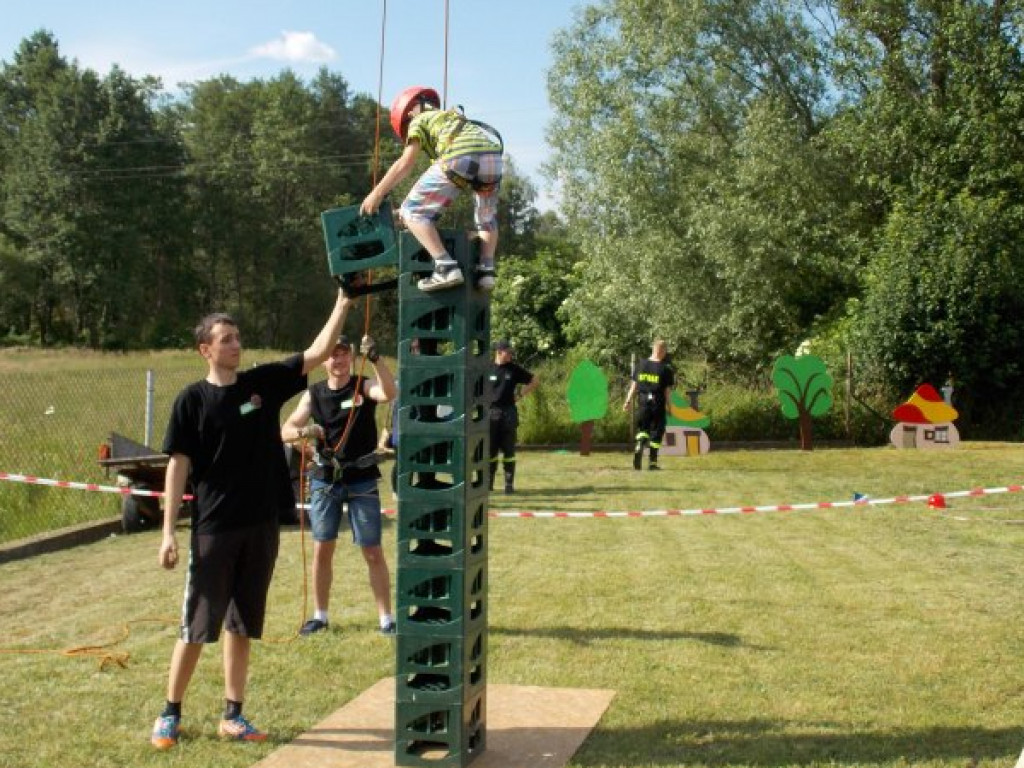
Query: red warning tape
[934, 500]
[123, 490]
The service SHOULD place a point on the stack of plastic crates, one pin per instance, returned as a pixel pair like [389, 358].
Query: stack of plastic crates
[444, 364]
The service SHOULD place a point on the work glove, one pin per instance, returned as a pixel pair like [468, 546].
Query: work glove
[312, 432]
[368, 348]
[354, 284]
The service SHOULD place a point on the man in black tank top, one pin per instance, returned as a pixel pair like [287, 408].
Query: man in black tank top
[344, 437]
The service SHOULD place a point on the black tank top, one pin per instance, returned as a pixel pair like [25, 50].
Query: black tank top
[331, 408]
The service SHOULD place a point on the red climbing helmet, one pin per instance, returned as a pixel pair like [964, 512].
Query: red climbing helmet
[405, 100]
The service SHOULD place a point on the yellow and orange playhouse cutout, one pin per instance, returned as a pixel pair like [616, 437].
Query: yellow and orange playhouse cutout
[925, 421]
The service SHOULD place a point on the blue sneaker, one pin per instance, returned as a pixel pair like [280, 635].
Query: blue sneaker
[166, 730]
[240, 729]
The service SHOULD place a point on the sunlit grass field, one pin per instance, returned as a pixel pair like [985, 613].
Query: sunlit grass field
[859, 637]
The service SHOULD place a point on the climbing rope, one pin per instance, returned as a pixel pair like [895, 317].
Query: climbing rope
[102, 652]
[444, 89]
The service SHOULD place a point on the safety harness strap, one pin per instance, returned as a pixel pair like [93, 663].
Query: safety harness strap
[330, 469]
[462, 182]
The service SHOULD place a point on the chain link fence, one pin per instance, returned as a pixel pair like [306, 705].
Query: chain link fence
[54, 426]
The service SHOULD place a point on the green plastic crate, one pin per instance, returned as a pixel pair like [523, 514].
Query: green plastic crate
[356, 243]
[440, 735]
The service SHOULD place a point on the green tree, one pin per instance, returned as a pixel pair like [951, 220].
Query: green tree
[528, 297]
[686, 146]
[265, 159]
[88, 175]
[804, 388]
[46, 106]
[934, 126]
[517, 212]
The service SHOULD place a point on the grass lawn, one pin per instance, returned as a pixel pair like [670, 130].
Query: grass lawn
[869, 636]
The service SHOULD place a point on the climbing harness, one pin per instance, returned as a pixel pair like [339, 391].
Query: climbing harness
[469, 182]
[332, 470]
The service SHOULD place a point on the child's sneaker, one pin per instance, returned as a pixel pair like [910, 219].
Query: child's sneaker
[240, 729]
[166, 730]
[441, 278]
[485, 276]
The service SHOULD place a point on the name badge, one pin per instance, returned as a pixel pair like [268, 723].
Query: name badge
[247, 408]
[348, 404]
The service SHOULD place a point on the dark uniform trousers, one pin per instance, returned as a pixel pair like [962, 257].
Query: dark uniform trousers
[504, 423]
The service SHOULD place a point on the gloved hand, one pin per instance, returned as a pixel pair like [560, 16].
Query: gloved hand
[312, 432]
[368, 348]
[354, 284]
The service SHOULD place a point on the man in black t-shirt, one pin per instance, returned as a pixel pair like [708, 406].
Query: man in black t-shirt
[224, 439]
[652, 384]
[344, 430]
[506, 377]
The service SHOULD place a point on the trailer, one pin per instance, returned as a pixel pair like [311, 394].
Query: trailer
[138, 467]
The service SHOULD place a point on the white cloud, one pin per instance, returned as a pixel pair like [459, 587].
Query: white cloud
[295, 47]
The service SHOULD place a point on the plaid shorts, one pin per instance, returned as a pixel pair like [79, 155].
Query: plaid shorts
[435, 191]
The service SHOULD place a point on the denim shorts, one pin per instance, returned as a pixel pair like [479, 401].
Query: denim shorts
[325, 507]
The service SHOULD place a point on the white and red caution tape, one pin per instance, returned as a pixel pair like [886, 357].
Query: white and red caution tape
[123, 490]
[935, 500]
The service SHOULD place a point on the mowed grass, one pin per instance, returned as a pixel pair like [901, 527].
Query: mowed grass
[856, 637]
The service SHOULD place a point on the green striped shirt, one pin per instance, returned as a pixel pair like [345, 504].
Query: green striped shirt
[434, 129]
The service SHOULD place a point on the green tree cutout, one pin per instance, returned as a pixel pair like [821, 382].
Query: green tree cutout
[805, 391]
[588, 400]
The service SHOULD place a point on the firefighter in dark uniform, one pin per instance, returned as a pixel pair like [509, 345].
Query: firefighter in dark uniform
[652, 384]
[506, 378]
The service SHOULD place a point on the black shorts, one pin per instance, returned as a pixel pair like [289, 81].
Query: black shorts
[228, 579]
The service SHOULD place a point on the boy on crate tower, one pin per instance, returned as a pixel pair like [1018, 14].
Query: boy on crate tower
[465, 155]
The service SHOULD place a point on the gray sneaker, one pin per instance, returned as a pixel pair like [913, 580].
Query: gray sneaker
[438, 280]
[485, 277]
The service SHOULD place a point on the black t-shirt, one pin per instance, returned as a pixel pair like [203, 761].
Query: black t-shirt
[652, 378]
[331, 409]
[504, 380]
[232, 437]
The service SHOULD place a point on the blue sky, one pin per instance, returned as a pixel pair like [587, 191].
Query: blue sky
[498, 50]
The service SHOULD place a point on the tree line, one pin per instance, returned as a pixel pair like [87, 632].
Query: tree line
[126, 213]
[738, 177]
[747, 175]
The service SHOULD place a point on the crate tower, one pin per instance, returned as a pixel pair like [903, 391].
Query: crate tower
[443, 464]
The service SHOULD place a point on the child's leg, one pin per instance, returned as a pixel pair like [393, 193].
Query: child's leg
[424, 205]
[428, 236]
[486, 215]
